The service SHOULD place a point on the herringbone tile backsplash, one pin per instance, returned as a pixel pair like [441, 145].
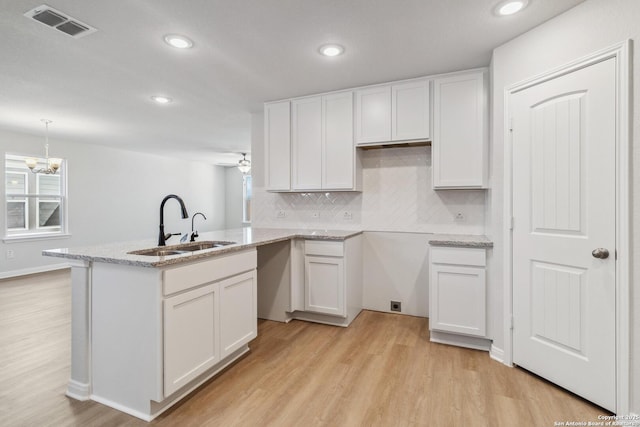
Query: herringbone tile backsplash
[396, 196]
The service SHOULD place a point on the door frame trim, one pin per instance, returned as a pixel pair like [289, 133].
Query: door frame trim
[622, 53]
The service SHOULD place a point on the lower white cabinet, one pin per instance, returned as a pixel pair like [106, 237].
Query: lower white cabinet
[204, 325]
[457, 291]
[191, 340]
[326, 280]
[324, 285]
[238, 312]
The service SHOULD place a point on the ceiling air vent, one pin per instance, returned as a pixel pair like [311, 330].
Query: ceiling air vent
[60, 21]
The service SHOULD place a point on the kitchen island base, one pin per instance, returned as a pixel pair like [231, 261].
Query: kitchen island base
[157, 333]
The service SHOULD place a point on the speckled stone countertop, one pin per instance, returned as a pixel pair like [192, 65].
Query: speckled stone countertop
[460, 241]
[243, 238]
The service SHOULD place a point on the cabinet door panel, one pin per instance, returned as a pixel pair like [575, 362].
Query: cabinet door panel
[277, 135]
[324, 285]
[458, 300]
[459, 137]
[373, 115]
[410, 113]
[337, 136]
[191, 343]
[238, 312]
[307, 143]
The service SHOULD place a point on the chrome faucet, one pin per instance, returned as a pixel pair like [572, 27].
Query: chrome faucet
[194, 234]
[162, 238]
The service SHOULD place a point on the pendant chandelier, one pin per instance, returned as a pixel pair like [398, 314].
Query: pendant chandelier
[244, 165]
[53, 163]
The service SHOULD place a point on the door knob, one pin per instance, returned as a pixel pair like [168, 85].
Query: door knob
[601, 253]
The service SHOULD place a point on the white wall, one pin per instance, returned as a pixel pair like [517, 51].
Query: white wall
[115, 195]
[397, 269]
[233, 197]
[590, 26]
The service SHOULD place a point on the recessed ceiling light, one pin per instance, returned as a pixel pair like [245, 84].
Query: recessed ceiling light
[331, 50]
[161, 99]
[178, 41]
[511, 7]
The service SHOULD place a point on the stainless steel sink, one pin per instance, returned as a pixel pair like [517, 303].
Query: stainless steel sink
[182, 249]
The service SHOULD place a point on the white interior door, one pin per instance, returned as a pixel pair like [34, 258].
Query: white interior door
[564, 210]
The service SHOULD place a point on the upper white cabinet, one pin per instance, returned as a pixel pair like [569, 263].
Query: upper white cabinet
[338, 155]
[306, 127]
[309, 141]
[277, 136]
[373, 115]
[459, 146]
[322, 143]
[410, 113]
[397, 112]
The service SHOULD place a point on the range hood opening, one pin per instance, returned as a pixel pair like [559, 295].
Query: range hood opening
[394, 144]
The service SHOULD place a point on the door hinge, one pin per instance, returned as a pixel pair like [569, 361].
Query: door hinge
[511, 325]
[511, 124]
[512, 220]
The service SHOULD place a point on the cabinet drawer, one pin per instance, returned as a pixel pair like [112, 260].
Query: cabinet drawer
[459, 256]
[323, 248]
[182, 278]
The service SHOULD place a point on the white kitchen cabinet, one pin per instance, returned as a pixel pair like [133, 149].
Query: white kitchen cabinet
[238, 312]
[373, 115]
[410, 112]
[191, 340]
[306, 126]
[322, 144]
[457, 291]
[394, 112]
[325, 280]
[339, 160]
[460, 131]
[277, 136]
[324, 285]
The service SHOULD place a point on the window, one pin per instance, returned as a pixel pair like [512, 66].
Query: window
[246, 198]
[35, 203]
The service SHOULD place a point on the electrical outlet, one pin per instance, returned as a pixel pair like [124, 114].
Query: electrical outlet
[347, 215]
[396, 306]
[10, 254]
[315, 214]
[281, 214]
[459, 217]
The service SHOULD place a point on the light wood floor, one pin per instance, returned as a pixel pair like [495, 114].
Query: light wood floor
[381, 371]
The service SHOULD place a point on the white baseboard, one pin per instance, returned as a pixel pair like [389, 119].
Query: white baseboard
[33, 270]
[457, 340]
[496, 354]
[122, 408]
[78, 391]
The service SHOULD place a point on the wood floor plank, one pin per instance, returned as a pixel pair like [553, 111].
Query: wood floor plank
[381, 371]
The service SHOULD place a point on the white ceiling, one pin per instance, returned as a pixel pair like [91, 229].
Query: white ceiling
[97, 89]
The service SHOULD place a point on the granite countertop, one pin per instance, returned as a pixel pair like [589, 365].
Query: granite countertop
[460, 241]
[243, 238]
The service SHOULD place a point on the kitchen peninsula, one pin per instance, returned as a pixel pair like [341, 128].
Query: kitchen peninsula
[147, 330]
